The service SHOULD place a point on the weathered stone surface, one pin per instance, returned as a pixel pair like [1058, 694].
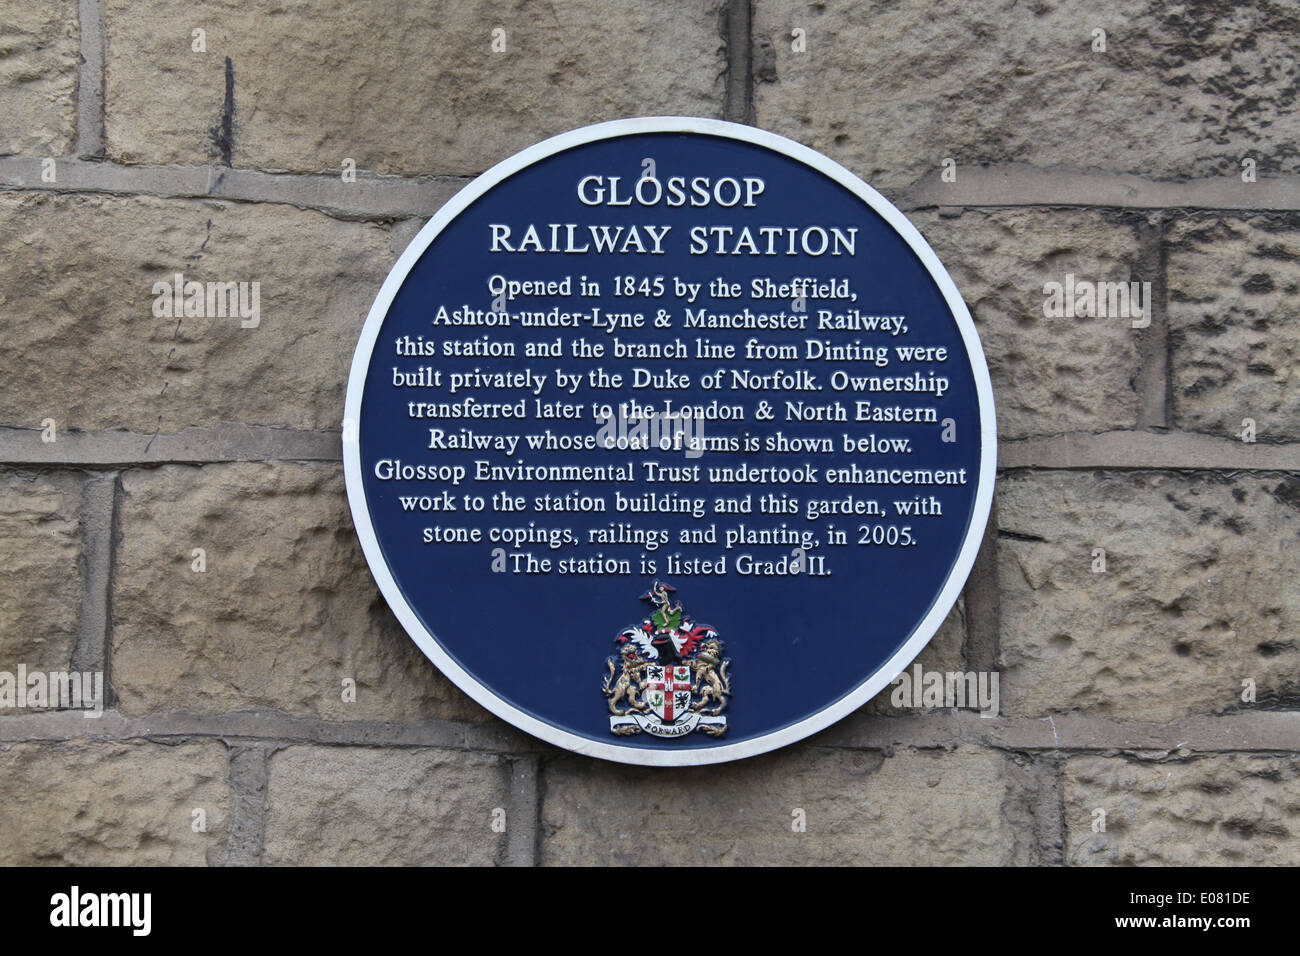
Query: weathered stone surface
[40, 585]
[861, 808]
[38, 77]
[1198, 594]
[113, 804]
[1237, 810]
[397, 87]
[1233, 286]
[284, 613]
[1050, 375]
[365, 806]
[81, 343]
[943, 653]
[892, 89]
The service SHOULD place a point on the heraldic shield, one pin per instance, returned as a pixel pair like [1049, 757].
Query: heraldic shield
[669, 678]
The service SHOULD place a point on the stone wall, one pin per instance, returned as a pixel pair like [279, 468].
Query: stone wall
[1148, 704]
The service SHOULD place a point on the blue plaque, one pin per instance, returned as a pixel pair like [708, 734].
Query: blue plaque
[669, 441]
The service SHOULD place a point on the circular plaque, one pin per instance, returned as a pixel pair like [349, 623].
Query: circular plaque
[669, 441]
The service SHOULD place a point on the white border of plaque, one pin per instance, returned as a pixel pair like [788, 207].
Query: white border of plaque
[668, 756]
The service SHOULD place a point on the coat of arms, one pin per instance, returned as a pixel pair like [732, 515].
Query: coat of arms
[669, 676]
